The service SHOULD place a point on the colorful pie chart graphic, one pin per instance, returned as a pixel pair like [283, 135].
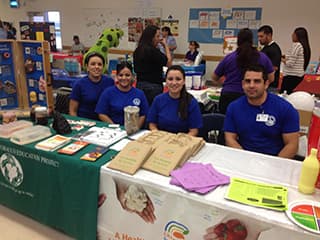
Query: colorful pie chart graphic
[305, 214]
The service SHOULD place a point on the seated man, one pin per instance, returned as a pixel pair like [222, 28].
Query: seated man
[261, 121]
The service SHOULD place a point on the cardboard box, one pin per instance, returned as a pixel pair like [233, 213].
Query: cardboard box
[305, 118]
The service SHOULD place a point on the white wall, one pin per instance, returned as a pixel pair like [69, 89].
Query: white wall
[279, 14]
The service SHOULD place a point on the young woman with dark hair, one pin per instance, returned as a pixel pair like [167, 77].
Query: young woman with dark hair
[175, 111]
[233, 66]
[193, 52]
[86, 91]
[296, 60]
[113, 100]
[148, 62]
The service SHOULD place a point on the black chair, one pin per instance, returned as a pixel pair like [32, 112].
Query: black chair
[212, 130]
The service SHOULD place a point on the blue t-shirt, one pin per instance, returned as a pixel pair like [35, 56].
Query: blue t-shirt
[233, 77]
[112, 102]
[164, 113]
[87, 93]
[262, 137]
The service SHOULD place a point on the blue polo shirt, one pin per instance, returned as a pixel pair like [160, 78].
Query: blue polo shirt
[87, 93]
[164, 113]
[112, 102]
[262, 137]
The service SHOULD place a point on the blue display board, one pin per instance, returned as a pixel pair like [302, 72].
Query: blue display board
[35, 75]
[211, 25]
[8, 87]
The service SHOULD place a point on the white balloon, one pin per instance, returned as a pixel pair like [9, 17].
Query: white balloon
[302, 100]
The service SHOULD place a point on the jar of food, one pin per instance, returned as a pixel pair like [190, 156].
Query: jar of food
[41, 115]
[131, 119]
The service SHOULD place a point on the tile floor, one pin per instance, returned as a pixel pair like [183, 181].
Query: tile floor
[14, 226]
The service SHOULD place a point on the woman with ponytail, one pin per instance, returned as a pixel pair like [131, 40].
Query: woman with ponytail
[296, 60]
[233, 66]
[175, 111]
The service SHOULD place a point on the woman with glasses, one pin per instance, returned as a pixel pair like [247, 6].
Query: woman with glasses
[86, 91]
[111, 104]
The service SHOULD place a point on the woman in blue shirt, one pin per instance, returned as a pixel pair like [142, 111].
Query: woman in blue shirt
[113, 100]
[175, 111]
[86, 91]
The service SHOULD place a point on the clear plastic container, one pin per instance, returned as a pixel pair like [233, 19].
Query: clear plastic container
[30, 134]
[8, 129]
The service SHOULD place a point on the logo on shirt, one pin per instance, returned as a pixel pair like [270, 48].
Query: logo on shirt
[136, 101]
[271, 121]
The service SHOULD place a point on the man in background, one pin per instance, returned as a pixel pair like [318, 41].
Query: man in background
[77, 47]
[261, 121]
[273, 51]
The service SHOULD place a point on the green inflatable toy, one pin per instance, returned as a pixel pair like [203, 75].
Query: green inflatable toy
[109, 38]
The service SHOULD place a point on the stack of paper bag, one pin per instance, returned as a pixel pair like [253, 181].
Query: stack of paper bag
[131, 157]
[173, 151]
[154, 138]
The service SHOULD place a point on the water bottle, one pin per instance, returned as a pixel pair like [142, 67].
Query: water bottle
[309, 173]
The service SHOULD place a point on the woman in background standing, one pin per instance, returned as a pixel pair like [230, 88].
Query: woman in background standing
[149, 61]
[234, 65]
[296, 60]
[86, 91]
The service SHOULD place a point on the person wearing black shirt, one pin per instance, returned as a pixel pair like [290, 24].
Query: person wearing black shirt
[149, 61]
[272, 50]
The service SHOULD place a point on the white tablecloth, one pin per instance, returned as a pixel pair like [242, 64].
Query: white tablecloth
[182, 210]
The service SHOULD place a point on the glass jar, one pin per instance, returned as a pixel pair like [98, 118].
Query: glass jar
[41, 115]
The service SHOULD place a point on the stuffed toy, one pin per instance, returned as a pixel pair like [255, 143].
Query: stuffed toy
[109, 38]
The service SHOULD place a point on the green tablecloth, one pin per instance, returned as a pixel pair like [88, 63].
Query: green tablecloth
[58, 190]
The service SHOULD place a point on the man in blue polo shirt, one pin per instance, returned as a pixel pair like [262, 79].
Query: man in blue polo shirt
[261, 121]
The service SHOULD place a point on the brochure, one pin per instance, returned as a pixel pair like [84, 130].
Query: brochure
[258, 194]
[73, 147]
[52, 143]
[95, 154]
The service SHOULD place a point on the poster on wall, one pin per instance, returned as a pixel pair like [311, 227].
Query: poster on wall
[39, 31]
[35, 75]
[135, 28]
[172, 24]
[136, 25]
[8, 88]
[212, 25]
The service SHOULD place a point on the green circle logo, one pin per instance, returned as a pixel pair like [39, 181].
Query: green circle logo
[11, 169]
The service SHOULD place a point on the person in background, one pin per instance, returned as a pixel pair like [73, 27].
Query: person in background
[3, 31]
[192, 53]
[260, 121]
[77, 47]
[170, 40]
[86, 91]
[177, 110]
[148, 62]
[113, 100]
[11, 31]
[273, 51]
[296, 60]
[233, 66]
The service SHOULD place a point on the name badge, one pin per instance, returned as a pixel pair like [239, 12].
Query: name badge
[262, 117]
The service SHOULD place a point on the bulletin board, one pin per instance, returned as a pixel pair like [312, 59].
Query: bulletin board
[211, 25]
[8, 88]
